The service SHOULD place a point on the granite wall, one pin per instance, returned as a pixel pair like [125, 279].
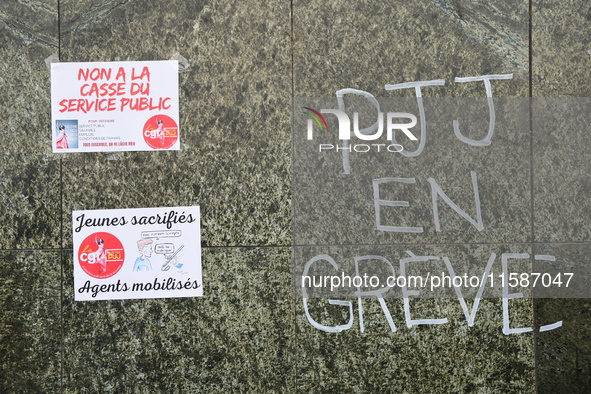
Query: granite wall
[246, 61]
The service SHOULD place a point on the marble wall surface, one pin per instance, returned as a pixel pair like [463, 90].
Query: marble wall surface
[247, 61]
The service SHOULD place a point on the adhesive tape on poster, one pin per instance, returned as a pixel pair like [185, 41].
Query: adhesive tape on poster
[183, 62]
[54, 58]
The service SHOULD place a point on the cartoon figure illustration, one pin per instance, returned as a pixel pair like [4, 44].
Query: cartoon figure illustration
[99, 257]
[62, 139]
[143, 262]
[172, 260]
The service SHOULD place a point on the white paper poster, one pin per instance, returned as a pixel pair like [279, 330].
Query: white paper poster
[137, 253]
[115, 106]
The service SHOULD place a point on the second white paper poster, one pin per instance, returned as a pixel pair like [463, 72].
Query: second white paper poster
[137, 253]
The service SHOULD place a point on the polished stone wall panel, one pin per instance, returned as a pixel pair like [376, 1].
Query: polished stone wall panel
[29, 172]
[333, 208]
[417, 360]
[561, 181]
[563, 356]
[30, 328]
[237, 337]
[365, 45]
[561, 67]
[561, 63]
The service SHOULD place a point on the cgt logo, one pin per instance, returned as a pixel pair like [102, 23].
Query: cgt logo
[364, 134]
[101, 255]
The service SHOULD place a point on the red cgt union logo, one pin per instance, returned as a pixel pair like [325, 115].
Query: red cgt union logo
[101, 255]
[161, 132]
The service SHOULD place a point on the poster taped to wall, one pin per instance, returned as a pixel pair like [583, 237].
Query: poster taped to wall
[115, 106]
[137, 253]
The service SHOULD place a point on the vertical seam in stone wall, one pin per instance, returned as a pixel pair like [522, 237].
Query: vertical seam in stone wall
[291, 40]
[294, 368]
[531, 155]
[530, 30]
[62, 336]
[61, 219]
